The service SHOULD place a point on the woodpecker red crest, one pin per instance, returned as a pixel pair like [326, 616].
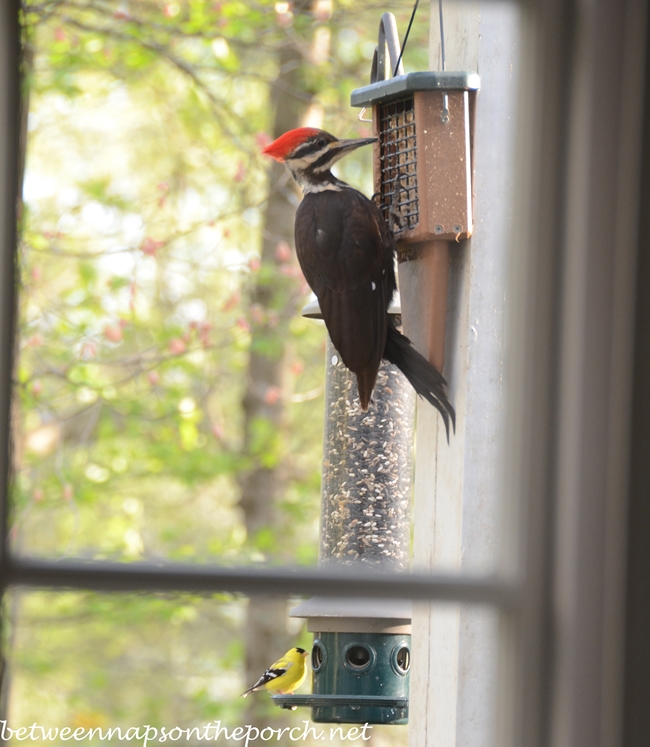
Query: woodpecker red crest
[346, 252]
[288, 142]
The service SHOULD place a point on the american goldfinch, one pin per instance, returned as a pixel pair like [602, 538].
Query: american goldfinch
[285, 675]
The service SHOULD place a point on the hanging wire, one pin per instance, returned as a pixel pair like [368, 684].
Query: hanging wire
[442, 37]
[444, 115]
[406, 36]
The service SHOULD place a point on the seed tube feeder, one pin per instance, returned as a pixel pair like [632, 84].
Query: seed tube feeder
[367, 459]
[361, 653]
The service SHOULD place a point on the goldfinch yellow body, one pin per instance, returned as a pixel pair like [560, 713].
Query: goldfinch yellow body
[283, 676]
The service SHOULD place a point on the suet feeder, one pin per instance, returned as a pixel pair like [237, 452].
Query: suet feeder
[423, 156]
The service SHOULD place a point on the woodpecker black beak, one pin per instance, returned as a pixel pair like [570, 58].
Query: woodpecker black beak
[346, 146]
[340, 148]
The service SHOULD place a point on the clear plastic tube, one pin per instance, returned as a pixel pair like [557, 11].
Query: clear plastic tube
[367, 460]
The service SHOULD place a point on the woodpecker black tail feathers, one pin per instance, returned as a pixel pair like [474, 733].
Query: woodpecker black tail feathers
[422, 376]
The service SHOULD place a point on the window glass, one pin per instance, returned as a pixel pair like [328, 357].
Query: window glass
[169, 395]
[124, 661]
[86, 660]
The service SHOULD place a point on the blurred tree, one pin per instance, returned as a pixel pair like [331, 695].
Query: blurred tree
[275, 301]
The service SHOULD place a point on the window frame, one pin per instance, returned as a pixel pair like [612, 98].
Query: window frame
[561, 587]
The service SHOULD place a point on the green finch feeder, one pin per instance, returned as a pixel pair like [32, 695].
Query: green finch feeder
[360, 660]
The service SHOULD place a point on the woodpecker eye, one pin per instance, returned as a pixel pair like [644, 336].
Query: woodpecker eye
[321, 143]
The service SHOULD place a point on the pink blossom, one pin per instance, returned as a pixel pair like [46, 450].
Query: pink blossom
[240, 174]
[272, 395]
[262, 140]
[291, 271]
[282, 251]
[285, 19]
[88, 350]
[204, 334]
[232, 301]
[113, 332]
[257, 313]
[150, 246]
[177, 346]
[254, 264]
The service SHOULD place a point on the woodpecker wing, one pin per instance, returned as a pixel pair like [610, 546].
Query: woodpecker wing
[346, 254]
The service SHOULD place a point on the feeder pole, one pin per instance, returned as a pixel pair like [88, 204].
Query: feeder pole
[457, 487]
[438, 490]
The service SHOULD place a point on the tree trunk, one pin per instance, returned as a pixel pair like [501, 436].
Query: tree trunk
[262, 486]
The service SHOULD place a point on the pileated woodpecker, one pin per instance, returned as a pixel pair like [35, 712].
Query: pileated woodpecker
[346, 252]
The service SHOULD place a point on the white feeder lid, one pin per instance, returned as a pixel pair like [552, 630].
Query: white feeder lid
[354, 615]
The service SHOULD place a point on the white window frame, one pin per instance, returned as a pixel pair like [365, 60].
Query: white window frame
[562, 588]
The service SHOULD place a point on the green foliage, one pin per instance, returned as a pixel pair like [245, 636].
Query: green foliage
[144, 192]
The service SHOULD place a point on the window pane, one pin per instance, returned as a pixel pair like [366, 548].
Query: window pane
[88, 660]
[169, 398]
